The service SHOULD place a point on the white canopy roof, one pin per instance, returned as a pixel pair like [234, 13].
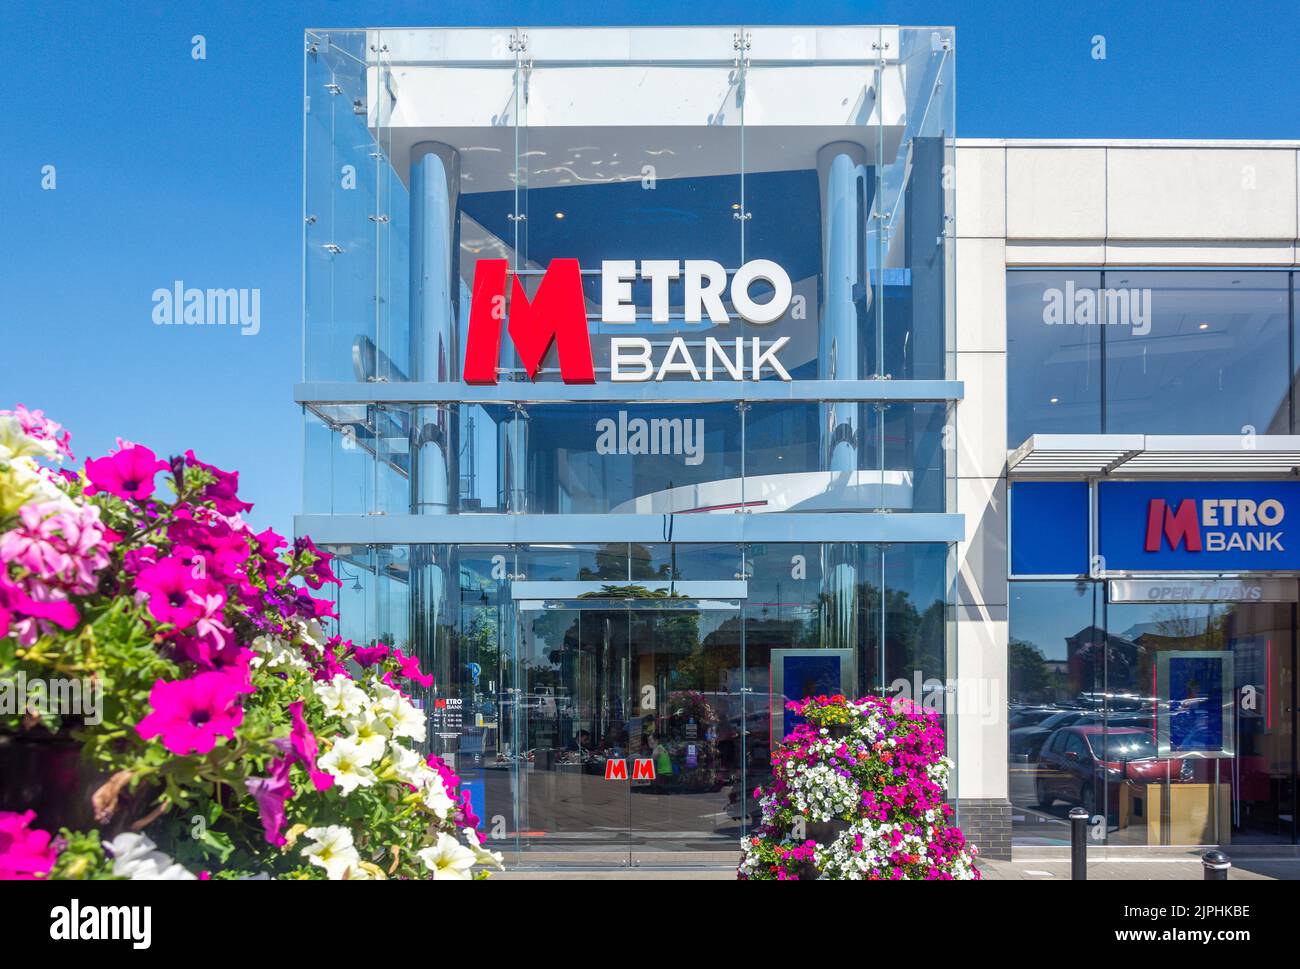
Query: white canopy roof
[1156, 455]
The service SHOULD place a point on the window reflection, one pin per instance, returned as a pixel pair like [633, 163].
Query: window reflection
[1182, 352]
[1053, 366]
[1169, 721]
[1206, 354]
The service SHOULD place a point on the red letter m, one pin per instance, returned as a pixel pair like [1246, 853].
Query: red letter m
[643, 769]
[1177, 526]
[615, 770]
[558, 312]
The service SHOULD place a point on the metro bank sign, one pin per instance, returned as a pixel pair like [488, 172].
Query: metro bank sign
[1204, 526]
[557, 313]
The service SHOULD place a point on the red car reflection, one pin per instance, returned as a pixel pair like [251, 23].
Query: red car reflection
[1076, 763]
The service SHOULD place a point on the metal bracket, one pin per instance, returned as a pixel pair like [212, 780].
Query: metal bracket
[741, 44]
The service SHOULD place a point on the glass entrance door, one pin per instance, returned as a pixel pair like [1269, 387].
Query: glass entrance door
[629, 724]
[1193, 736]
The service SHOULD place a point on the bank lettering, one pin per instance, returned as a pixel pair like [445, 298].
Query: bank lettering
[1196, 526]
[557, 313]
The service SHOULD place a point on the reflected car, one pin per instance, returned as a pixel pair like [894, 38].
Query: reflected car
[1077, 762]
[1030, 716]
[1029, 740]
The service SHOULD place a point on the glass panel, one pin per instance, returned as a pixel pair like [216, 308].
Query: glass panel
[573, 708]
[633, 458]
[629, 730]
[635, 165]
[1055, 662]
[912, 115]
[392, 217]
[685, 671]
[1053, 354]
[841, 456]
[915, 644]
[479, 729]
[1196, 745]
[784, 610]
[1196, 352]
[358, 459]
[342, 204]
[809, 178]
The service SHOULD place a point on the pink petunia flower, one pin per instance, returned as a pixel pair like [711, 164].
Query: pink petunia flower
[25, 853]
[175, 593]
[223, 493]
[61, 544]
[409, 668]
[305, 747]
[189, 715]
[127, 473]
[270, 793]
[367, 656]
[30, 615]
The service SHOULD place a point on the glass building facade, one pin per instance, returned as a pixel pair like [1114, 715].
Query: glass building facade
[1092, 702]
[626, 575]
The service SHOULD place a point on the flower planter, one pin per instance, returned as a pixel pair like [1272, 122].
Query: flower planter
[825, 832]
[45, 773]
[808, 871]
[811, 768]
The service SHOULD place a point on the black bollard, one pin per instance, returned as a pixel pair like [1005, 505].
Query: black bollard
[1216, 865]
[1078, 844]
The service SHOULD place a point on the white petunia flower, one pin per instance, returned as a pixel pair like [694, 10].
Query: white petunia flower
[402, 716]
[348, 765]
[437, 800]
[370, 735]
[16, 443]
[448, 859]
[410, 767]
[136, 857]
[332, 849]
[274, 653]
[342, 697]
[409, 721]
[481, 855]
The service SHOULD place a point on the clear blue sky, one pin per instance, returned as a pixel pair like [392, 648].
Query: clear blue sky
[171, 169]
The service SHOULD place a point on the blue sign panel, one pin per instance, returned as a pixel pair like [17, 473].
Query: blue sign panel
[1199, 526]
[1049, 528]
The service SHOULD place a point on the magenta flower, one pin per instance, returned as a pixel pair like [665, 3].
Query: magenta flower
[367, 656]
[176, 594]
[305, 747]
[270, 793]
[25, 853]
[319, 572]
[127, 473]
[30, 615]
[409, 668]
[189, 715]
[223, 493]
